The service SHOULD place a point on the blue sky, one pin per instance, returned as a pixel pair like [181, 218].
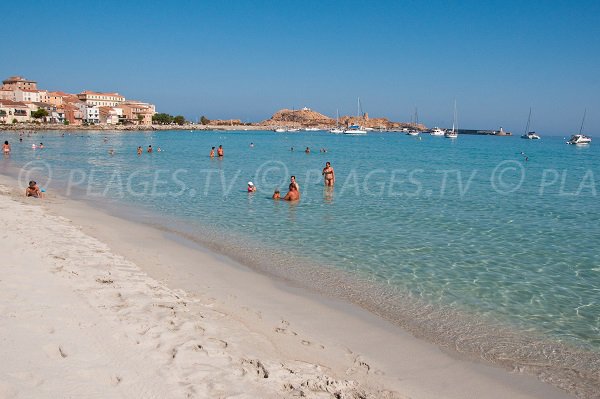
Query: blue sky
[234, 59]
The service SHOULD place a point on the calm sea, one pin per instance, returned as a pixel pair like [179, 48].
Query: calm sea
[483, 235]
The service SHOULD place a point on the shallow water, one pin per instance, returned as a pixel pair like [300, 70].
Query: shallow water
[499, 228]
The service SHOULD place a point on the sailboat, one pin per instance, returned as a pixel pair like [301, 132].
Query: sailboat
[337, 129]
[414, 132]
[454, 132]
[529, 135]
[580, 139]
[355, 129]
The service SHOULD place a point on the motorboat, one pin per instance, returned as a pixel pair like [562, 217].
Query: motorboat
[436, 131]
[413, 133]
[355, 130]
[579, 139]
[336, 130]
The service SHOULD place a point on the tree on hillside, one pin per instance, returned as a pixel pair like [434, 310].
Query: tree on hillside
[162, 119]
[180, 120]
[204, 120]
[39, 114]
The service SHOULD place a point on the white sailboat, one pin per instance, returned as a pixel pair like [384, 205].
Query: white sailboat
[580, 139]
[414, 132]
[454, 132]
[529, 135]
[337, 129]
[355, 129]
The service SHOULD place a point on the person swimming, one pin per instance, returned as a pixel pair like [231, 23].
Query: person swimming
[139, 150]
[251, 187]
[276, 195]
[149, 149]
[307, 150]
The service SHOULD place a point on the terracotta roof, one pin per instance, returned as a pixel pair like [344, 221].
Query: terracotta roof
[17, 79]
[11, 103]
[31, 91]
[101, 94]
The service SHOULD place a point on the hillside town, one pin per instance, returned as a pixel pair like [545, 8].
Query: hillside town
[21, 101]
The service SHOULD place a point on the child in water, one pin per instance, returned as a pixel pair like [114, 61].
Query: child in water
[276, 195]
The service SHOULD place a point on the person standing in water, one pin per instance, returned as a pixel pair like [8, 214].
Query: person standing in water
[328, 174]
[220, 152]
[294, 182]
[6, 148]
[149, 148]
[139, 150]
[212, 152]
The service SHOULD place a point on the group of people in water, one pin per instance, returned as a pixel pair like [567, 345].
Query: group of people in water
[293, 193]
[220, 152]
[149, 150]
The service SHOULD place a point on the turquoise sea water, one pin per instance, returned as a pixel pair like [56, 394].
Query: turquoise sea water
[500, 228]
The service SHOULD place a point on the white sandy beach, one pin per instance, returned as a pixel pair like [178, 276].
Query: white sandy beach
[96, 306]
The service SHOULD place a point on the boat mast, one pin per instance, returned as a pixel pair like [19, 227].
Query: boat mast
[583, 120]
[454, 122]
[528, 122]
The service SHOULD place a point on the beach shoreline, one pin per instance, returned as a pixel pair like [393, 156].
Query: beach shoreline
[121, 128]
[350, 343]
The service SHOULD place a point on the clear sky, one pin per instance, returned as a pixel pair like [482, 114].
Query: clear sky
[247, 59]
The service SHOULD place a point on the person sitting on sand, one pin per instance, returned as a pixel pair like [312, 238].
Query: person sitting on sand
[212, 152]
[33, 190]
[293, 194]
[6, 148]
[251, 187]
[149, 148]
[276, 195]
[220, 151]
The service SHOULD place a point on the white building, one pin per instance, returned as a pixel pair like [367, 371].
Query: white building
[100, 99]
[27, 95]
[91, 114]
[11, 111]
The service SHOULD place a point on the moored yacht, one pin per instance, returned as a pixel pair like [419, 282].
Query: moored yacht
[436, 131]
[579, 139]
[530, 136]
[355, 130]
